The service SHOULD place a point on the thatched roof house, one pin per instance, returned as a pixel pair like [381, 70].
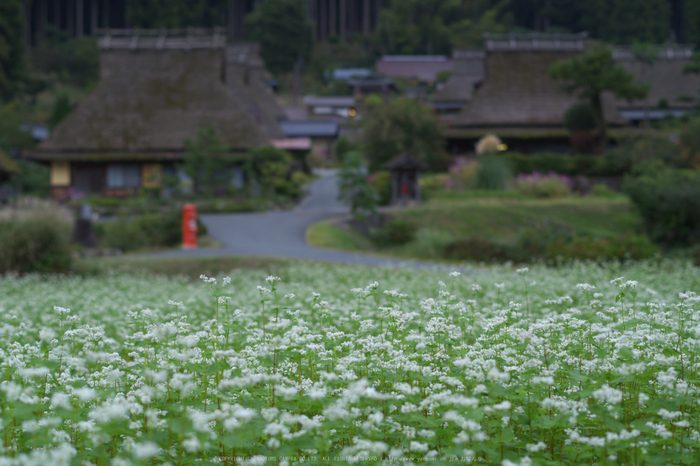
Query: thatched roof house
[518, 100]
[156, 90]
[245, 77]
[668, 83]
[467, 72]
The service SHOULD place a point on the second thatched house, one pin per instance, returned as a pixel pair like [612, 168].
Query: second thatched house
[670, 87]
[517, 100]
[155, 92]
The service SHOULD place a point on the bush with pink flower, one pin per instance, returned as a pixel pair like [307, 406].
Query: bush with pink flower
[540, 185]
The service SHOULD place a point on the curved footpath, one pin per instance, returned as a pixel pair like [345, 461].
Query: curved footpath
[283, 233]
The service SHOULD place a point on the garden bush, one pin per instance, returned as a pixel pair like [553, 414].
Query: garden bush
[145, 231]
[543, 186]
[478, 250]
[609, 164]
[393, 232]
[668, 201]
[34, 245]
[631, 247]
[493, 173]
[381, 182]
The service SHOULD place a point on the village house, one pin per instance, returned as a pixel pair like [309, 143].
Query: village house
[669, 86]
[467, 73]
[156, 90]
[518, 100]
[337, 107]
[422, 68]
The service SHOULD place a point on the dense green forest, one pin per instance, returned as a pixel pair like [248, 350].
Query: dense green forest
[421, 26]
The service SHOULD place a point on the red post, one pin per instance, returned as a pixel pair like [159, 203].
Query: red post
[189, 226]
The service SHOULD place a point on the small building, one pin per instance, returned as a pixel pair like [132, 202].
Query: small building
[322, 133]
[371, 85]
[668, 83]
[345, 74]
[156, 90]
[518, 100]
[422, 68]
[405, 171]
[331, 106]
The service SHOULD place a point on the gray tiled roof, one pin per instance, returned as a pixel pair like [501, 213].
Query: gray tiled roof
[309, 128]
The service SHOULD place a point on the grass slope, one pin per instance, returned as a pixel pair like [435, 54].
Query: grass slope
[499, 219]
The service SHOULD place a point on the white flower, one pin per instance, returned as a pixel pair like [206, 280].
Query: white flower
[522, 271]
[607, 394]
[418, 446]
[191, 444]
[146, 450]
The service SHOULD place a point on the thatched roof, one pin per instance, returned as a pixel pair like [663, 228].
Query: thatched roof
[151, 100]
[518, 91]
[161, 39]
[467, 72]
[245, 78]
[665, 75]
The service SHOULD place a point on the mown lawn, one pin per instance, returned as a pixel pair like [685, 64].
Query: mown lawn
[497, 219]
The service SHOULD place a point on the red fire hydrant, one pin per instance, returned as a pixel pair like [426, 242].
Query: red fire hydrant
[189, 226]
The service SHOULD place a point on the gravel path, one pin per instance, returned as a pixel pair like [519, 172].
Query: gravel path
[282, 233]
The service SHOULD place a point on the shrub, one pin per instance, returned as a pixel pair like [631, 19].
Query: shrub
[690, 143]
[431, 184]
[478, 250]
[493, 173]
[34, 245]
[353, 187]
[650, 146]
[668, 201]
[463, 173]
[381, 182]
[543, 186]
[145, 231]
[610, 164]
[394, 232]
[633, 247]
[602, 190]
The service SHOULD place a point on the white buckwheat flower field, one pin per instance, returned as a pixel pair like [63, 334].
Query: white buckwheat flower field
[582, 364]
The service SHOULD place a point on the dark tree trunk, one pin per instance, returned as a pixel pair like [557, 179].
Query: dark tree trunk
[79, 18]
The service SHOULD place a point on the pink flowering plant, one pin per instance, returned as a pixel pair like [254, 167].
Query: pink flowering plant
[539, 185]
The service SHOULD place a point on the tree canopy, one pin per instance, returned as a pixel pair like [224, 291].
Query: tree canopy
[594, 72]
[12, 70]
[403, 125]
[176, 13]
[284, 32]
